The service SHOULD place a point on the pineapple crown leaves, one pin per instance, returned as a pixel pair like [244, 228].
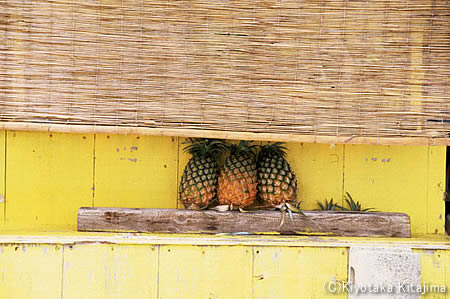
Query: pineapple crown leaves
[329, 205]
[274, 149]
[244, 147]
[204, 147]
[352, 205]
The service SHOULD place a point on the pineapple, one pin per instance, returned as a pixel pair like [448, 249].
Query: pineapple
[199, 181]
[277, 183]
[238, 178]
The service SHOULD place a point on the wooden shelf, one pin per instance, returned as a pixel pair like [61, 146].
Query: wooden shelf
[213, 222]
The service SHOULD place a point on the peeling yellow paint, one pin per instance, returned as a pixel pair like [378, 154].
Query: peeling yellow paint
[30, 271]
[281, 272]
[434, 267]
[110, 271]
[205, 272]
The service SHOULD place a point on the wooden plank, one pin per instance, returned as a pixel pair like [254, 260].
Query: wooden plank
[2, 175]
[30, 271]
[389, 179]
[281, 272]
[86, 129]
[110, 271]
[185, 221]
[436, 190]
[315, 164]
[49, 176]
[205, 272]
[135, 171]
[433, 271]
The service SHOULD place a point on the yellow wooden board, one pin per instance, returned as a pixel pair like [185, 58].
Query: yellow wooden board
[183, 159]
[390, 179]
[436, 189]
[298, 272]
[319, 171]
[434, 267]
[110, 271]
[447, 274]
[49, 177]
[2, 174]
[135, 171]
[30, 271]
[205, 272]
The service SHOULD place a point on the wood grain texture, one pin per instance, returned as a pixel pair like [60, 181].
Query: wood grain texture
[216, 133]
[185, 221]
[337, 68]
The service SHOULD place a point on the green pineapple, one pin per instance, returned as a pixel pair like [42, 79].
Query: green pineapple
[277, 183]
[199, 181]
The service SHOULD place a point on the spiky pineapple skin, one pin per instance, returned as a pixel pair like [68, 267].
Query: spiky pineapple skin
[238, 181]
[198, 183]
[277, 182]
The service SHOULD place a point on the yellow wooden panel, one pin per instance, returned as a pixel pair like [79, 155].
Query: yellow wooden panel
[447, 274]
[49, 177]
[298, 272]
[205, 272]
[319, 170]
[2, 174]
[389, 179]
[30, 271]
[135, 171]
[110, 271]
[436, 189]
[183, 159]
[433, 270]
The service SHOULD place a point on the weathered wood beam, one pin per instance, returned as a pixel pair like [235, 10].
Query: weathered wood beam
[188, 221]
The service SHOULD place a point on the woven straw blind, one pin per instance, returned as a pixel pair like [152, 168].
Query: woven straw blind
[281, 69]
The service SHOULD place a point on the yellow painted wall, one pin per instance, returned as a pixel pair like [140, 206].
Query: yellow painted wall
[435, 269]
[297, 272]
[50, 175]
[30, 271]
[110, 271]
[2, 174]
[135, 171]
[319, 170]
[106, 270]
[205, 272]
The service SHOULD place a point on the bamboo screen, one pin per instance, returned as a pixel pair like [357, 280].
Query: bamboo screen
[333, 69]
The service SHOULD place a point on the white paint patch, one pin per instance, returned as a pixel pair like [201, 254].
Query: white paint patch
[384, 266]
[2, 198]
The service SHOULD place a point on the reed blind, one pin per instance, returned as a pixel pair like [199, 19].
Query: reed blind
[328, 70]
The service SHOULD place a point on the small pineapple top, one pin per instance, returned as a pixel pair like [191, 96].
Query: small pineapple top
[204, 147]
[244, 147]
[272, 150]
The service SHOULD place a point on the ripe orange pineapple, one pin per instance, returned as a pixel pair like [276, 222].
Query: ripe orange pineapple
[199, 180]
[277, 183]
[238, 178]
